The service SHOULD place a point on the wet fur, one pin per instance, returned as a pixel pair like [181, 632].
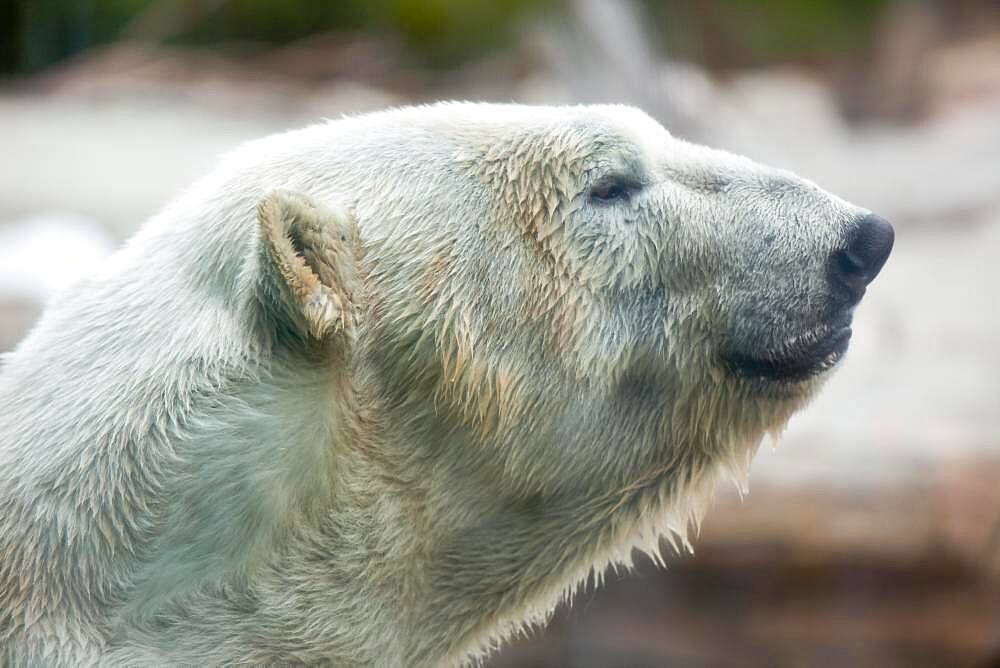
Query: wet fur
[383, 391]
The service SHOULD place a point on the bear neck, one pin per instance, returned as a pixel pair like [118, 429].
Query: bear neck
[422, 559]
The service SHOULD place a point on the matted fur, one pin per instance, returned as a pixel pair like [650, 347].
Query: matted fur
[385, 390]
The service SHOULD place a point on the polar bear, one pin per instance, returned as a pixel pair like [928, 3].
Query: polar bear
[384, 390]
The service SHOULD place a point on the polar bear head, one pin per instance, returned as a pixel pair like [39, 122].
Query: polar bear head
[590, 297]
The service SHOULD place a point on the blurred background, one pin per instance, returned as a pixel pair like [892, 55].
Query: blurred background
[871, 536]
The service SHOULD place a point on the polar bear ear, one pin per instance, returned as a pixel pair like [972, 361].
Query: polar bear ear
[310, 256]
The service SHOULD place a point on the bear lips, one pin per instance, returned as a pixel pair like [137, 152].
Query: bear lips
[799, 358]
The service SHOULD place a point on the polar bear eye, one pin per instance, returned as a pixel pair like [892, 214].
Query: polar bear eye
[611, 190]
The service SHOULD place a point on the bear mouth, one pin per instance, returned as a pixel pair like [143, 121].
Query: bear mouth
[798, 359]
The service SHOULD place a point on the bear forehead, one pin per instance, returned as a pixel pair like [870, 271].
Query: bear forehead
[587, 127]
[573, 139]
[615, 136]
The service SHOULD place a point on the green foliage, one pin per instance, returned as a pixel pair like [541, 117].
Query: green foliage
[748, 32]
[448, 30]
[796, 26]
[434, 32]
[438, 33]
[50, 30]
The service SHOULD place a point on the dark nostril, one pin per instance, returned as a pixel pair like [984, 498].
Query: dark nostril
[867, 249]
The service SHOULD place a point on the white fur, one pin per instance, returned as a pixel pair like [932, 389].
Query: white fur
[529, 387]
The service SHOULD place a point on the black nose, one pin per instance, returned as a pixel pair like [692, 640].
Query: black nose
[867, 249]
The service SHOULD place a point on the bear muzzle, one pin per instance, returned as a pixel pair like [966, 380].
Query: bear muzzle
[804, 355]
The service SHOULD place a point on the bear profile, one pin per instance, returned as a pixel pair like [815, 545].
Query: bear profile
[385, 390]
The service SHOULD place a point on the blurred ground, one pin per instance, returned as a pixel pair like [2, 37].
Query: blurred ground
[872, 534]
